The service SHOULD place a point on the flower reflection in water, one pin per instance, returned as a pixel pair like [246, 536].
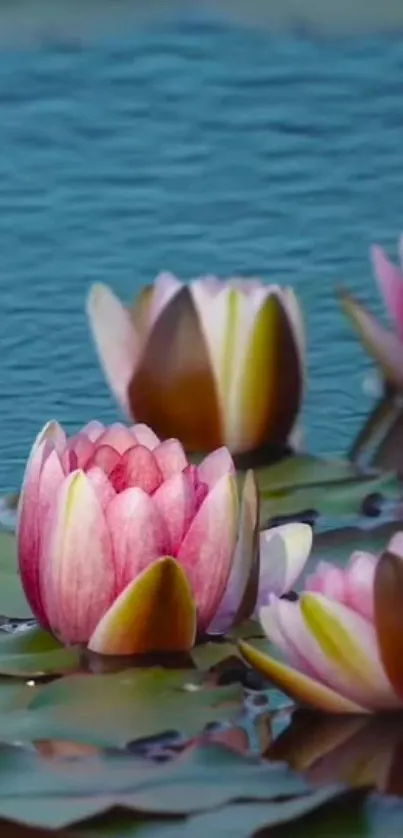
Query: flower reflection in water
[348, 749]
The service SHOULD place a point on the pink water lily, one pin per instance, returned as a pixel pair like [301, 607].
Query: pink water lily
[343, 639]
[385, 346]
[212, 363]
[127, 548]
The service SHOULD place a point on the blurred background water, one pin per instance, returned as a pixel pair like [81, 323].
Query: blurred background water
[191, 146]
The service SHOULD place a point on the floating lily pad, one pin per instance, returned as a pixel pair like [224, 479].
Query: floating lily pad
[327, 488]
[57, 793]
[12, 599]
[34, 653]
[112, 710]
[239, 820]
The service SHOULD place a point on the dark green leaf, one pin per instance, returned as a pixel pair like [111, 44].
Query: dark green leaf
[111, 710]
[239, 820]
[61, 792]
[12, 598]
[34, 653]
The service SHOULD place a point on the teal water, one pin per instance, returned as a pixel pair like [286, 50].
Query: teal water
[194, 148]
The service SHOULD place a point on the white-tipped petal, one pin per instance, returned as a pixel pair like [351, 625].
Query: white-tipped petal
[115, 339]
[284, 551]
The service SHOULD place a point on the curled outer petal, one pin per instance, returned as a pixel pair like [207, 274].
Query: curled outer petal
[173, 388]
[240, 595]
[29, 537]
[284, 551]
[155, 613]
[116, 341]
[300, 687]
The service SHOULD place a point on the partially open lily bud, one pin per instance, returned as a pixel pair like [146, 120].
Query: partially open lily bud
[126, 548]
[342, 641]
[384, 345]
[211, 363]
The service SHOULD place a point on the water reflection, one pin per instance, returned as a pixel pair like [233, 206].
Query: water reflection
[360, 751]
[379, 441]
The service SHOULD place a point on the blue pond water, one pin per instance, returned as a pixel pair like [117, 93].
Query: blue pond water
[194, 148]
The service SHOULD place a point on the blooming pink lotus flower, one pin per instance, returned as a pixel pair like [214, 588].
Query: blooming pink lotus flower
[386, 347]
[212, 363]
[343, 639]
[125, 547]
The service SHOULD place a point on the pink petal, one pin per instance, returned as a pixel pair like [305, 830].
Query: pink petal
[104, 457]
[29, 529]
[200, 489]
[144, 435]
[383, 345]
[137, 532]
[390, 282]
[102, 486]
[359, 584]
[215, 465]
[51, 478]
[82, 447]
[115, 339]
[78, 576]
[176, 501]
[93, 430]
[118, 436]
[136, 467]
[207, 551]
[170, 457]
[69, 460]
[329, 581]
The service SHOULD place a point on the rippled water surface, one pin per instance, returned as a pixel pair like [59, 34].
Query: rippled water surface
[193, 148]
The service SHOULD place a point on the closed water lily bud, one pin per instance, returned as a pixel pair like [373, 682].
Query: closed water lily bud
[211, 363]
[126, 548]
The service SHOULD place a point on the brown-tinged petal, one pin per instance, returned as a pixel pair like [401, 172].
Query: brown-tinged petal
[155, 613]
[388, 595]
[372, 439]
[383, 345]
[295, 684]
[173, 388]
[310, 737]
[272, 384]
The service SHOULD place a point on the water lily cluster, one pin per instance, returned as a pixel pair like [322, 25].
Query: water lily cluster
[143, 539]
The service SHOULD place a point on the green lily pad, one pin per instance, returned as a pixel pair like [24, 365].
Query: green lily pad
[330, 498]
[111, 710]
[60, 792]
[34, 653]
[304, 470]
[239, 820]
[12, 598]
